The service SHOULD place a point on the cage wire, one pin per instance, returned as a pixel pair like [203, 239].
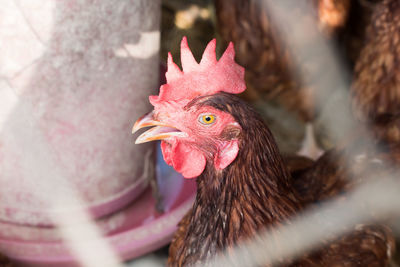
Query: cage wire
[376, 200]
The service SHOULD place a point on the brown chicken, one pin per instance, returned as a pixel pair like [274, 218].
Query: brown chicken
[376, 86]
[243, 183]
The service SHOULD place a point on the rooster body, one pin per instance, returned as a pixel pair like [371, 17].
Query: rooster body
[257, 192]
[244, 185]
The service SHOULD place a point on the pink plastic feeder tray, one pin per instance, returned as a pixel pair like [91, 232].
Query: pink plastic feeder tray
[132, 232]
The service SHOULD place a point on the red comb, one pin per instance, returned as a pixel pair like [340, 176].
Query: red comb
[205, 78]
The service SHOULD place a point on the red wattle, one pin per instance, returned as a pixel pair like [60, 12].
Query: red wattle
[185, 159]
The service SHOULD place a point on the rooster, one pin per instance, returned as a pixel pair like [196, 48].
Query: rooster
[243, 184]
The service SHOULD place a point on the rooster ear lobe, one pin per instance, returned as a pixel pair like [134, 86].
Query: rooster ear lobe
[227, 153]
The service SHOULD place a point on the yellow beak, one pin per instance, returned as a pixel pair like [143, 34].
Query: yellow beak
[161, 130]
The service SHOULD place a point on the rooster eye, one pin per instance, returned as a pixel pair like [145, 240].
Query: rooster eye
[207, 119]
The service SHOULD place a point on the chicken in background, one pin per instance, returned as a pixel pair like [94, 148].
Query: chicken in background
[376, 86]
[243, 183]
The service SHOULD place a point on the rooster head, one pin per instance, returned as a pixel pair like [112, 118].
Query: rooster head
[194, 133]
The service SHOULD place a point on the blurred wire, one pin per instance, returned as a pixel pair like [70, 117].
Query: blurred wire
[79, 232]
[371, 201]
